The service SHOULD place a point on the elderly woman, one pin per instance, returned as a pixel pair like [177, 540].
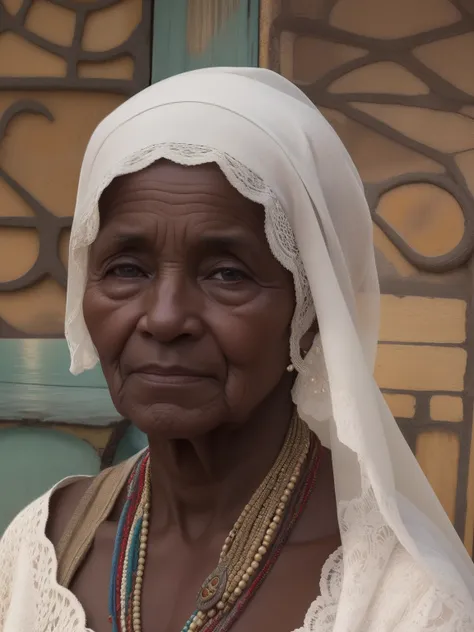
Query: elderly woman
[222, 271]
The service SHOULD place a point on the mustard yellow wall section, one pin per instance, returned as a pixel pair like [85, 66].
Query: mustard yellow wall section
[395, 80]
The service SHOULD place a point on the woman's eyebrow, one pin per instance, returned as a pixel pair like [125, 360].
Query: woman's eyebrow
[126, 241]
[206, 242]
[227, 242]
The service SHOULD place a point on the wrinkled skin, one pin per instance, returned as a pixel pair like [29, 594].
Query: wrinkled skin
[178, 277]
[190, 314]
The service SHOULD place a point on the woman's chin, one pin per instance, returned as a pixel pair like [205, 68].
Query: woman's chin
[174, 421]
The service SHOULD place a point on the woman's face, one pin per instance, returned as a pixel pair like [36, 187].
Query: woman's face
[188, 309]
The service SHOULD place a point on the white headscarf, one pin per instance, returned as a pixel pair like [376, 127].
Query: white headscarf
[276, 149]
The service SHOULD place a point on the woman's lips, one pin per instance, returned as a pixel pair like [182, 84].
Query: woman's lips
[169, 375]
[170, 379]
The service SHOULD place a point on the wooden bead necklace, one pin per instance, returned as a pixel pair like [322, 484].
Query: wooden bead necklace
[249, 551]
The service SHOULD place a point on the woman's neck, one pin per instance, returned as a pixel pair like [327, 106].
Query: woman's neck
[200, 486]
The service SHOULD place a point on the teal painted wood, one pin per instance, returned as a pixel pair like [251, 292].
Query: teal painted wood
[83, 406]
[235, 45]
[35, 384]
[32, 460]
[43, 362]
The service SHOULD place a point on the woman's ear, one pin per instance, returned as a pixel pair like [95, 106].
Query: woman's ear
[308, 338]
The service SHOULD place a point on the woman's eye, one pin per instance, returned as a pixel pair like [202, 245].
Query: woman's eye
[229, 275]
[126, 271]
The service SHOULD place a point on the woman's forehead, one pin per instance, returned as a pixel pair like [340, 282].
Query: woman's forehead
[166, 192]
[183, 213]
[174, 178]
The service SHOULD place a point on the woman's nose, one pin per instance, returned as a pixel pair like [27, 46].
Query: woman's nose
[171, 308]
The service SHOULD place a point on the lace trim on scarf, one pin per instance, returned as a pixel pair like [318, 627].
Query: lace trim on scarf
[277, 227]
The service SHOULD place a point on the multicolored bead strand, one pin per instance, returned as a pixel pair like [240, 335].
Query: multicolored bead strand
[128, 562]
[248, 554]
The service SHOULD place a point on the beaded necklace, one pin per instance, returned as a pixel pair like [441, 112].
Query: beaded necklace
[249, 551]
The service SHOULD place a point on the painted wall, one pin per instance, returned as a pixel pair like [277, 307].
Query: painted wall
[395, 80]
[63, 67]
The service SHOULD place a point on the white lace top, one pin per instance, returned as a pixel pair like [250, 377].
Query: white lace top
[31, 600]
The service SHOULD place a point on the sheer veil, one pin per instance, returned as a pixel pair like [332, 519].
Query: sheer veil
[277, 149]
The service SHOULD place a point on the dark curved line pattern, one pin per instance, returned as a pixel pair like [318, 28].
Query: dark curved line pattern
[8, 331]
[465, 248]
[90, 7]
[23, 11]
[18, 222]
[24, 106]
[424, 101]
[326, 32]
[35, 274]
[74, 84]
[49, 228]
[443, 263]
[15, 25]
[452, 180]
[371, 123]
[136, 46]
[442, 96]
[39, 210]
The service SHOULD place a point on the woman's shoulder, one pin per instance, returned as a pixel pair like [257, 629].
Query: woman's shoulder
[28, 561]
[49, 515]
[62, 503]
[34, 532]
[46, 514]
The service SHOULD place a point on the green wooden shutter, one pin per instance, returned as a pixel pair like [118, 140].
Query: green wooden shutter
[190, 34]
